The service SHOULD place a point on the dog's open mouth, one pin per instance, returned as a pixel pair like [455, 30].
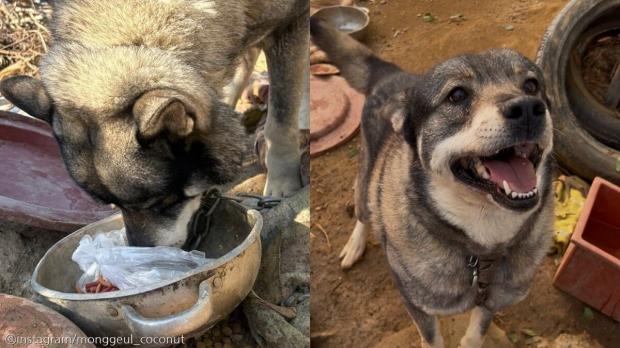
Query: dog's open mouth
[509, 175]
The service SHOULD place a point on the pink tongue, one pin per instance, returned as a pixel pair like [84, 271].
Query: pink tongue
[517, 171]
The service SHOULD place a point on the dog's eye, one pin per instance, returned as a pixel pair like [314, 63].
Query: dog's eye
[530, 86]
[457, 95]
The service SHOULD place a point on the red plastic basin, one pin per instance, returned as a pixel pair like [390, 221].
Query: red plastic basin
[35, 188]
[590, 269]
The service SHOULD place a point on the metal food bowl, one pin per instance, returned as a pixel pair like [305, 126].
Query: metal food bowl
[349, 19]
[185, 306]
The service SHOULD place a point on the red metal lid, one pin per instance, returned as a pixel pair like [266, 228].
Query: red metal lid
[21, 319]
[335, 113]
[35, 187]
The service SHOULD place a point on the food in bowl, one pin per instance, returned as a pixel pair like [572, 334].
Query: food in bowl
[100, 285]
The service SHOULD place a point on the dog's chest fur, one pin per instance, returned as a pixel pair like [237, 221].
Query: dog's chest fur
[428, 256]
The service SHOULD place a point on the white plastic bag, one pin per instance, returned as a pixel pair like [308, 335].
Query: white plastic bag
[128, 267]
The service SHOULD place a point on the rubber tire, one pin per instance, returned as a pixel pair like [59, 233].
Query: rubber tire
[574, 147]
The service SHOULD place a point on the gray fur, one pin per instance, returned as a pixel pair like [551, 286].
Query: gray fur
[135, 93]
[411, 199]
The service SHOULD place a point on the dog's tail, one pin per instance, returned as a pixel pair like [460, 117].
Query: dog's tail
[357, 64]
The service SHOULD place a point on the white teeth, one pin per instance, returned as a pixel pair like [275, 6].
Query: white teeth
[482, 171]
[506, 187]
[520, 195]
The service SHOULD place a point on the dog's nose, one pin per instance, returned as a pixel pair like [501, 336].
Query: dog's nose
[527, 107]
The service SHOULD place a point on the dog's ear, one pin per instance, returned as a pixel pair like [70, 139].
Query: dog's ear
[398, 120]
[397, 111]
[164, 110]
[29, 95]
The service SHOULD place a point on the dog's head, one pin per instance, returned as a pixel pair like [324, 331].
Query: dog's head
[138, 130]
[481, 124]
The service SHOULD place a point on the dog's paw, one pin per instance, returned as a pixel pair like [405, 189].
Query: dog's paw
[354, 249]
[282, 185]
[283, 177]
[437, 344]
[470, 342]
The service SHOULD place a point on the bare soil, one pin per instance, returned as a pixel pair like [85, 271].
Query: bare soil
[361, 307]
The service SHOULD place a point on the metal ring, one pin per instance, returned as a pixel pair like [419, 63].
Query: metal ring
[472, 261]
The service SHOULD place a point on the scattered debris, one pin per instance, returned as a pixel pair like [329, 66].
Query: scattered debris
[528, 332]
[399, 31]
[564, 340]
[588, 314]
[457, 18]
[513, 337]
[23, 36]
[427, 17]
[531, 340]
[353, 152]
[528, 336]
[322, 334]
[230, 332]
[286, 312]
[329, 244]
[570, 195]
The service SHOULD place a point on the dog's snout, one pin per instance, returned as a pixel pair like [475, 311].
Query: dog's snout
[524, 108]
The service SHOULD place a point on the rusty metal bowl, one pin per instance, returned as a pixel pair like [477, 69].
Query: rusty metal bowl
[352, 20]
[185, 306]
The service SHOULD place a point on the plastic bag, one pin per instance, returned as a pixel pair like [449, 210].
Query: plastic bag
[108, 256]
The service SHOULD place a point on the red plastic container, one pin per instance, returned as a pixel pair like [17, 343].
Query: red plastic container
[590, 269]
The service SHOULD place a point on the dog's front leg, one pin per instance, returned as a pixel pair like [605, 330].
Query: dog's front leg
[288, 63]
[428, 326]
[479, 323]
[233, 91]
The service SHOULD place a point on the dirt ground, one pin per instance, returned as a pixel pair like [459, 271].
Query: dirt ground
[361, 307]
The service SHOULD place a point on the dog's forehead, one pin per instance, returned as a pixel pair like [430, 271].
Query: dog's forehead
[490, 67]
[104, 80]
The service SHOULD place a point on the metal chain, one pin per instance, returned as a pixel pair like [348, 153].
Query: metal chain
[200, 224]
[472, 262]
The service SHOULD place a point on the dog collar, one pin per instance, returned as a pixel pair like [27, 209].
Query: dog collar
[483, 269]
